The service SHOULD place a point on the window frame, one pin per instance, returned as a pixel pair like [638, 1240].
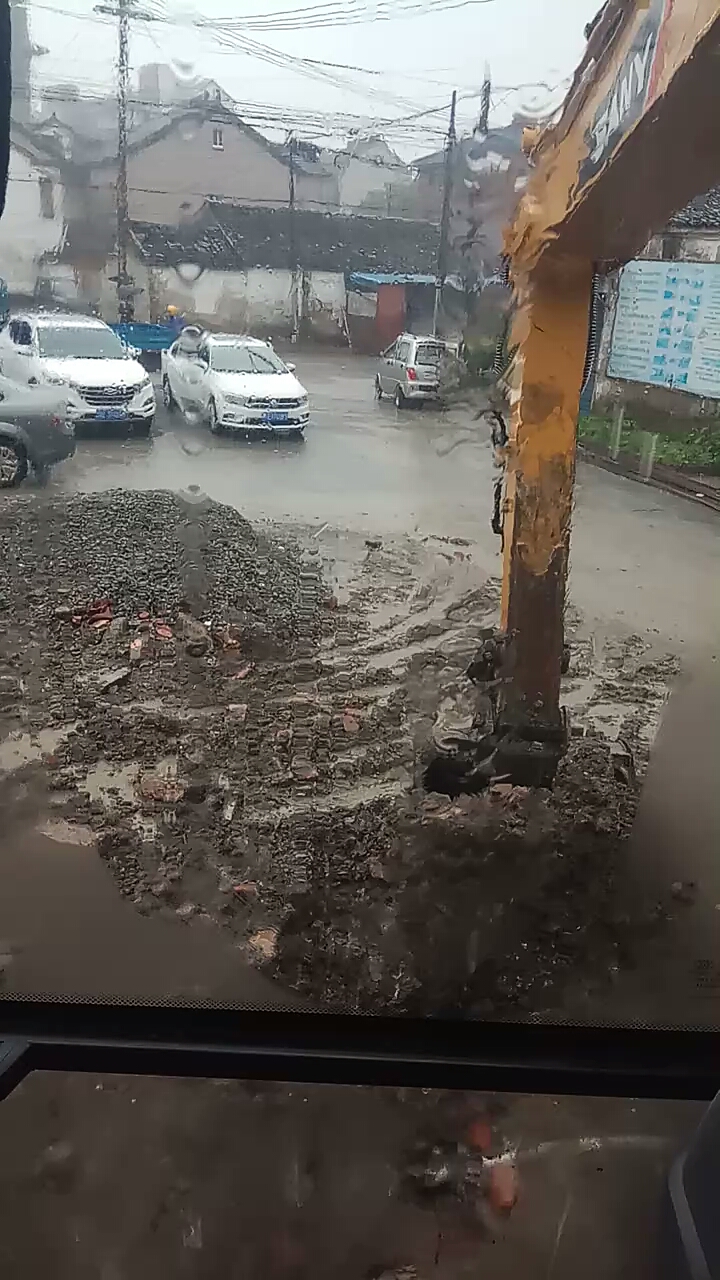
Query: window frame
[46, 189]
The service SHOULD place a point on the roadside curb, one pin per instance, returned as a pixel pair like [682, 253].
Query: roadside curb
[690, 487]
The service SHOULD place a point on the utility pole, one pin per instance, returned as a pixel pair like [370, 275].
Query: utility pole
[123, 10]
[483, 125]
[445, 217]
[125, 307]
[293, 243]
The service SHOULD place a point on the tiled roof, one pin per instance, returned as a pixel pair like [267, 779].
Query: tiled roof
[231, 238]
[702, 214]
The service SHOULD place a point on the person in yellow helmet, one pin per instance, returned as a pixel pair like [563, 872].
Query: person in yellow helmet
[174, 319]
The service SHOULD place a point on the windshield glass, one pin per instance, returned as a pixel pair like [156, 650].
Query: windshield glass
[243, 359]
[79, 342]
[430, 353]
[389, 688]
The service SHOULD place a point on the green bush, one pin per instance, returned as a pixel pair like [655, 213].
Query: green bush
[480, 352]
[698, 449]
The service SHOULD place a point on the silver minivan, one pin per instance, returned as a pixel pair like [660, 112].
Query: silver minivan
[409, 371]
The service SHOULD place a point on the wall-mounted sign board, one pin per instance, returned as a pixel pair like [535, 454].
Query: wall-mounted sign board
[667, 326]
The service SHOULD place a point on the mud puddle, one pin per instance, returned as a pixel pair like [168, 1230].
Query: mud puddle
[77, 937]
[19, 749]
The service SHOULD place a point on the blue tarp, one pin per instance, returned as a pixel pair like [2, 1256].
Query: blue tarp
[373, 279]
[146, 337]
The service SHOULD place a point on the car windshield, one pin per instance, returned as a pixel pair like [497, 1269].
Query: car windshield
[67, 342]
[430, 353]
[240, 358]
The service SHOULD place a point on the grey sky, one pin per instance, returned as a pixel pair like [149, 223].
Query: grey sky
[420, 58]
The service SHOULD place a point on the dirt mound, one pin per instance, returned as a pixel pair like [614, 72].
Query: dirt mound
[156, 552]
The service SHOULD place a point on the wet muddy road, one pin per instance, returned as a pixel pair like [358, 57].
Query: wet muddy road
[641, 559]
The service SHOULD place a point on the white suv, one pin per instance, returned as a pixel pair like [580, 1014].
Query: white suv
[104, 382]
[235, 383]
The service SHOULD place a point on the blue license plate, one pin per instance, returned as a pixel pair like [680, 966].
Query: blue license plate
[111, 415]
[275, 419]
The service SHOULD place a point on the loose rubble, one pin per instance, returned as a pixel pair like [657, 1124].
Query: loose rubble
[248, 745]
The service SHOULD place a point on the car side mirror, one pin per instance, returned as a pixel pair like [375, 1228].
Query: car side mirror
[291, 368]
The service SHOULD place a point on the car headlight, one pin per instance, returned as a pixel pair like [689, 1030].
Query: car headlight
[235, 399]
[54, 380]
[304, 401]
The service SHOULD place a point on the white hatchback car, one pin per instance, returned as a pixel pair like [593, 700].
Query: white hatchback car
[235, 383]
[104, 382]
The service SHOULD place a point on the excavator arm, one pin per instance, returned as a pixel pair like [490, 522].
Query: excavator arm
[637, 138]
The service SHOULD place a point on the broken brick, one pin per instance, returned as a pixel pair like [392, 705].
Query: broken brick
[247, 889]
[480, 1136]
[165, 790]
[503, 1187]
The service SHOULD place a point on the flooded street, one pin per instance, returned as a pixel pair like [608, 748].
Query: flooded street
[641, 558]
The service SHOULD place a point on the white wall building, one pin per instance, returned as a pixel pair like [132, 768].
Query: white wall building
[31, 229]
[367, 167]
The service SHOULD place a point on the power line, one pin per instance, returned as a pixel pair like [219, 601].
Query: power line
[377, 8]
[223, 199]
[418, 74]
[314, 69]
[506, 90]
[234, 42]
[224, 33]
[344, 16]
[270, 115]
[264, 53]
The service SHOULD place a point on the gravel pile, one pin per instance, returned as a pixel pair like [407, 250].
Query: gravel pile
[153, 551]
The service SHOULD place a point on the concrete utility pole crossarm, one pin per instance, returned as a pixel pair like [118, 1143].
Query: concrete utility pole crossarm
[602, 184]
